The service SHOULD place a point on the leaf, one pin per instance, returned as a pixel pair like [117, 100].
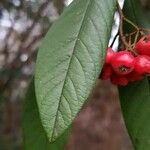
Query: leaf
[135, 102]
[133, 10]
[34, 135]
[135, 98]
[70, 60]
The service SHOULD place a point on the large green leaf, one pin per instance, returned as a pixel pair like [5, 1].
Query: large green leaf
[34, 135]
[135, 102]
[70, 60]
[135, 98]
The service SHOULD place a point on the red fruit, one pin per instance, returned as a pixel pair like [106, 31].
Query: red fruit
[109, 55]
[106, 72]
[119, 80]
[143, 46]
[142, 64]
[134, 76]
[123, 62]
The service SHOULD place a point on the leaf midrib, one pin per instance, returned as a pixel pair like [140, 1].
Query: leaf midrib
[51, 139]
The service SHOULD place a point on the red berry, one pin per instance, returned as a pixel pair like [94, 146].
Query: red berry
[119, 80]
[123, 62]
[109, 55]
[106, 72]
[143, 46]
[134, 76]
[142, 64]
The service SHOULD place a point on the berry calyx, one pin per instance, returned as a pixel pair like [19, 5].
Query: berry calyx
[106, 72]
[143, 46]
[123, 62]
[142, 64]
[109, 55]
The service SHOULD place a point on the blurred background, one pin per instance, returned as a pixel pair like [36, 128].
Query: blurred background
[23, 23]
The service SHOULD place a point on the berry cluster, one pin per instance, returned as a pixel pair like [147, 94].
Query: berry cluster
[124, 66]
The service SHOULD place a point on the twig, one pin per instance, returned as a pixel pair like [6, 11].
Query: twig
[143, 29]
[132, 33]
[130, 22]
[121, 27]
[135, 40]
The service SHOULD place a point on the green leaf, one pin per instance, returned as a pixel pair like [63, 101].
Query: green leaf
[135, 98]
[134, 11]
[34, 135]
[135, 102]
[70, 60]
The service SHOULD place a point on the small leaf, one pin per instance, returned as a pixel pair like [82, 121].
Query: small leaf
[135, 98]
[70, 60]
[34, 135]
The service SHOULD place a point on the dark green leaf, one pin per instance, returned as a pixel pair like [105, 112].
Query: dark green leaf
[34, 135]
[135, 102]
[133, 11]
[70, 60]
[135, 98]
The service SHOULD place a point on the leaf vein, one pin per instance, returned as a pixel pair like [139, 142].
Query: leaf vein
[55, 122]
